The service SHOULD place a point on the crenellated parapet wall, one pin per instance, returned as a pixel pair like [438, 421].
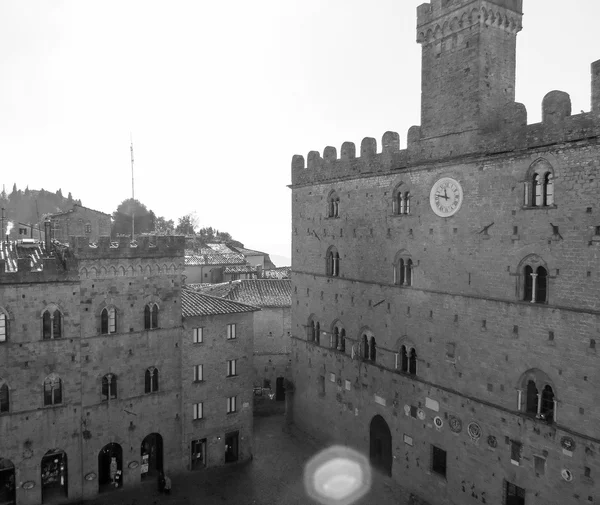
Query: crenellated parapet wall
[434, 24]
[52, 269]
[507, 131]
[159, 246]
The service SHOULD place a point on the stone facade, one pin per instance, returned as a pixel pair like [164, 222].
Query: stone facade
[467, 309]
[80, 221]
[215, 387]
[82, 282]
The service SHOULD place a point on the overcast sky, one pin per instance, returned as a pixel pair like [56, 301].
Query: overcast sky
[220, 94]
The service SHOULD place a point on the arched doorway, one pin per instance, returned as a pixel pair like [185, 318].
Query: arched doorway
[54, 475]
[110, 467]
[381, 445]
[7, 482]
[152, 456]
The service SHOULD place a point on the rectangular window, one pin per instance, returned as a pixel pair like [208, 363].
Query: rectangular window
[331, 377]
[198, 373]
[198, 454]
[321, 385]
[515, 452]
[88, 228]
[198, 411]
[112, 320]
[231, 367]
[3, 327]
[231, 332]
[231, 404]
[438, 460]
[198, 336]
[515, 495]
[539, 464]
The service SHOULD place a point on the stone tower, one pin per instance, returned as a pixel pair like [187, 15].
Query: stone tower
[468, 62]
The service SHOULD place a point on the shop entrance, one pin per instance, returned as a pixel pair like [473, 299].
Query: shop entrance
[279, 390]
[54, 476]
[152, 456]
[7, 482]
[110, 468]
[231, 447]
[381, 445]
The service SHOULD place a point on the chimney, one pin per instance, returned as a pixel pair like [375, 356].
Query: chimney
[596, 87]
[47, 237]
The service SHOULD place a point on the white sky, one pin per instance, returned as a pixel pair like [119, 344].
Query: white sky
[220, 94]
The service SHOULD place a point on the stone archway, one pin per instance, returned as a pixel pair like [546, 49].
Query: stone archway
[152, 456]
[7, 482]
[381, 445]
[110, 473]
[55, 485]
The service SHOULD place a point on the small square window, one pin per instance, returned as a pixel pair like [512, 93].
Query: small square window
[438, 460]
[348, 385]
[231, 332]
[198, 335]
[231, 404]
[198, 411]
[331, 377]
[539, 465]
[231, 367]
[515, 452]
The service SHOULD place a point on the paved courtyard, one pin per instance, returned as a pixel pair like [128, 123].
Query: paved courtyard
[273, 477]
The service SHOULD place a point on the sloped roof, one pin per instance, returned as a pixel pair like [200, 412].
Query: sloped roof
[250, 252]
[199, 304]
[257, 292]
[73, 210]
[12, 250]
[240, 269]
[214, 258]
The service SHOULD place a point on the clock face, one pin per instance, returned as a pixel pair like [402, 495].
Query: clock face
[446, 197]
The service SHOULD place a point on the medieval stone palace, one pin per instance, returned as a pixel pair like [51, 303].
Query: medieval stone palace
[445, 297]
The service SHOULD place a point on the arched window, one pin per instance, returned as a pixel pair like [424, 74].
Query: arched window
[333, 262]
[540, 400]
[312, 331]
[109, 387]
[534, 279]
[531, 402]
[51, 323]
[4, 398]
[404, 359]
[403, 269]
[539, 185]
[372, 349]
[548, 190]
[412, 362]
[333, 205]
[400, 200]
[151, 316]
[335, 338]
[151, 380]
[52, 390]
[3, 326]
[108, 319]
[317, 333]
[365, 346]
[342, 346]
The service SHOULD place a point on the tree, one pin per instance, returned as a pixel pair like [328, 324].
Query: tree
[164, 227]
[187, 224]
[144, 219]
[70, 197]
[59, 193]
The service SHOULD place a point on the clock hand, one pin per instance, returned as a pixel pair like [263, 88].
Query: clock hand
[446, 194]
[442, 196]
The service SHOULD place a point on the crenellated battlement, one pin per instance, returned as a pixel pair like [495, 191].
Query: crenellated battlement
[507, 131]
[435, 22]
[147, 246]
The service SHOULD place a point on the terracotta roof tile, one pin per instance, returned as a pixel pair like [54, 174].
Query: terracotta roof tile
[198, 304]
[257, 292]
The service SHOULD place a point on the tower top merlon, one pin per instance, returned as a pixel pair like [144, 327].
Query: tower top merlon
[428, 12]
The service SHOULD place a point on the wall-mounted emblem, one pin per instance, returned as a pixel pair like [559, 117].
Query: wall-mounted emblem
[28, 485]
[492, 442]
[455, 424]
[90, 476]
[567, 475]
[567, 443]
[438, 422]
[407, 410]
[474, 431]
[133, 464]
[421, 414]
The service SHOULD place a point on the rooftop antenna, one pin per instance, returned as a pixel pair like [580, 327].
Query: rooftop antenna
[132, 191]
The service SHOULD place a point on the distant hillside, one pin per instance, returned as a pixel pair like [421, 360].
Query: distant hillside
[30, 205]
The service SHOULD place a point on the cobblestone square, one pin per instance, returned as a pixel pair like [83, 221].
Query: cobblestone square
[273, 477]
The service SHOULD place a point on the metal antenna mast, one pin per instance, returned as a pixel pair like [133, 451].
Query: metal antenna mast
[132, 192]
